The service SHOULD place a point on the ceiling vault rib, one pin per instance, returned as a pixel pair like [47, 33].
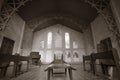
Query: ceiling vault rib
[8, 9]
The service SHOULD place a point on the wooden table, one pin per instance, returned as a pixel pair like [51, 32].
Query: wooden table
[111, 55]
[58, 66]
[4, 58]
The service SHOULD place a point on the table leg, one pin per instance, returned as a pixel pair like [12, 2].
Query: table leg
[84, 64]
[65, 71]
[14, 70]
[70, 73]
[52, 72]
[94, 67]
[27, 65]
[48, 74]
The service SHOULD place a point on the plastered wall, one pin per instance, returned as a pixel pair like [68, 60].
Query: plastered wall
[100, 30]
[27, 41]
[115, 5]
[14, 31]
[74, 36]
[89, 41]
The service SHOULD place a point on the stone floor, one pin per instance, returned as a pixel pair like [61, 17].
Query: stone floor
[38, 73]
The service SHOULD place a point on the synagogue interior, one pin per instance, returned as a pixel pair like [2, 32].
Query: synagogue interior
[59, 39]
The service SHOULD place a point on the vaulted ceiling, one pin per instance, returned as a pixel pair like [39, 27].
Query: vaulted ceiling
[71, 13]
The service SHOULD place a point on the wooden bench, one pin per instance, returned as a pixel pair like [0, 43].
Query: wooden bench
[107, 55]
[4, 58]
[35, 57]
[87, 58]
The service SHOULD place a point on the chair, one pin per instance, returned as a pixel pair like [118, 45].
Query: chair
[58, 62]
[35, 57]
[59, 66]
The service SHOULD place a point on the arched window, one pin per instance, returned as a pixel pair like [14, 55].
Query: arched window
[49, 40]
[67, 40]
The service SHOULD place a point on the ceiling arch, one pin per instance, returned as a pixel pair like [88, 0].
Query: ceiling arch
[77, 8]
[71, 13]
[46, 21]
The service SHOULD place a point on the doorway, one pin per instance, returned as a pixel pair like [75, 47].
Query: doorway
[7, 46]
